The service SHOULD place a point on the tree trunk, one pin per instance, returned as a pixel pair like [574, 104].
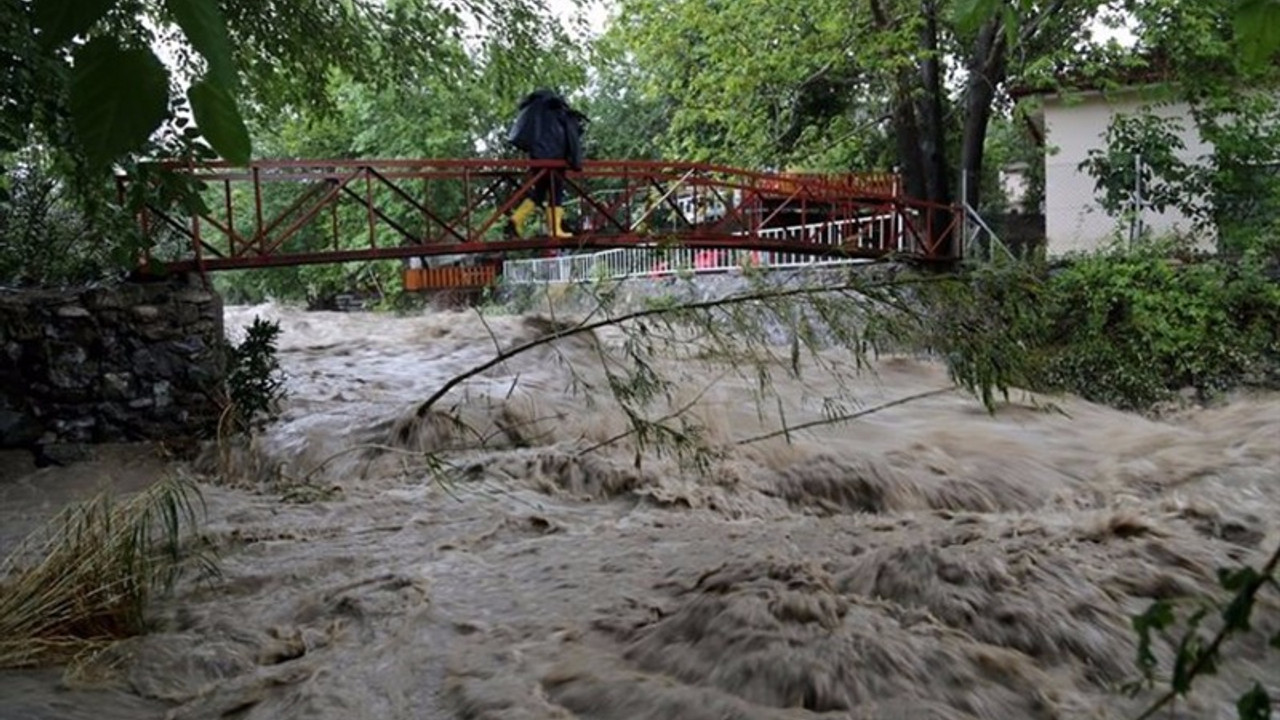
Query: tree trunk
[907, 138]
[933, 132]
[986, 68]
[906, 128]
[919, 119]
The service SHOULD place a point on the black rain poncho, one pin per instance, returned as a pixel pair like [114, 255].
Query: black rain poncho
[548, 129]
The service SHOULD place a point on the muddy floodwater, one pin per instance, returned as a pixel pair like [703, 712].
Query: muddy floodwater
[516, 562]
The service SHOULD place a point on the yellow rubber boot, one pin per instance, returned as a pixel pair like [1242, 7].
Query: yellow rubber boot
[555, 218]
[520, 216]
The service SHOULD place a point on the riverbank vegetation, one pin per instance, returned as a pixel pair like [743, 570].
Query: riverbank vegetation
[1132, 329]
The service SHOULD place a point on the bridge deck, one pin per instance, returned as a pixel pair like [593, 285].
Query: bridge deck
[294, 212]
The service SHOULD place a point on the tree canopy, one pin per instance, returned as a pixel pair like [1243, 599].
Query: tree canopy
[88, 77]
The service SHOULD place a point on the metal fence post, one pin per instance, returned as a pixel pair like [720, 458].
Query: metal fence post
[1135, 223]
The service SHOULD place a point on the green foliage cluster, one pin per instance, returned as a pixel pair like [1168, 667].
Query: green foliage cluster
[44, 233]
[88, 77]
[1257, 24]
[255, 382]
[1129, 330]
[1124, 328]
[97, 89]
[768, 83]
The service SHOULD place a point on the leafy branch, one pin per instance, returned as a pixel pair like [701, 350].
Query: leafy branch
[255, 382]
[1194, 658]
[674, 310]
[786, 430]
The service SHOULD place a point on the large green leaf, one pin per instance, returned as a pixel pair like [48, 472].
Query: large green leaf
[1258, 29]
[968, 15]
[118, 98]
[1255, 704]
[219, 120]
[206, 29]
[61, 20]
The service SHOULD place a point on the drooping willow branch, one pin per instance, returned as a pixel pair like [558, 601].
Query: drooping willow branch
[845, 417]
[588, 327]
[681, 410]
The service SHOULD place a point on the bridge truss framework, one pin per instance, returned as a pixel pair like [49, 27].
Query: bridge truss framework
[276, 213]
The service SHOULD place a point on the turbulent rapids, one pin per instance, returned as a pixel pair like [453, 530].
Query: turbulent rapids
[513, 552]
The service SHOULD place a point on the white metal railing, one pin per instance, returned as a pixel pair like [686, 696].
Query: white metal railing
[654, 262]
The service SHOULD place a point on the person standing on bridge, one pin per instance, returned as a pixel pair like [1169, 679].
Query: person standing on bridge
[547, 128]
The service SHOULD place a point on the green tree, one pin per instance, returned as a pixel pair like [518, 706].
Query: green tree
[771, 84]
[626, 122]
[829, 85]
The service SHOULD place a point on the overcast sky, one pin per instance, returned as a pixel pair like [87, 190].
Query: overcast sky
[596, 11]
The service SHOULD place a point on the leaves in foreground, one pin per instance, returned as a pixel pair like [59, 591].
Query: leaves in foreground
[118, 96]
[1194, 656]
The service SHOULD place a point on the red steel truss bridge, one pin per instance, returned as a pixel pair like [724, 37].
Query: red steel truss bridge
[449, 214]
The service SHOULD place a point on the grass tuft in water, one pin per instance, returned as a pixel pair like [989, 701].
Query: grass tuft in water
[85, 579]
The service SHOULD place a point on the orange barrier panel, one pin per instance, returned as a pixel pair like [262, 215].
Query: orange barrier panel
[885, 184]
[449, 277]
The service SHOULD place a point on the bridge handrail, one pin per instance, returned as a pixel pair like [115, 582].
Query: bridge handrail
[654, 261]
[628, 263]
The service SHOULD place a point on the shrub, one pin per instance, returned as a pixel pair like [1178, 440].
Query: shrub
[1129, 330]
[1126, 329]
[255, 382]
[47, 237]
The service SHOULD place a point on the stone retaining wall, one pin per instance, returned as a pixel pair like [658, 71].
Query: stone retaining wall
[136, 361]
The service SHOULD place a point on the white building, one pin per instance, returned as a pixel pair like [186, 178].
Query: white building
[1076, 123]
